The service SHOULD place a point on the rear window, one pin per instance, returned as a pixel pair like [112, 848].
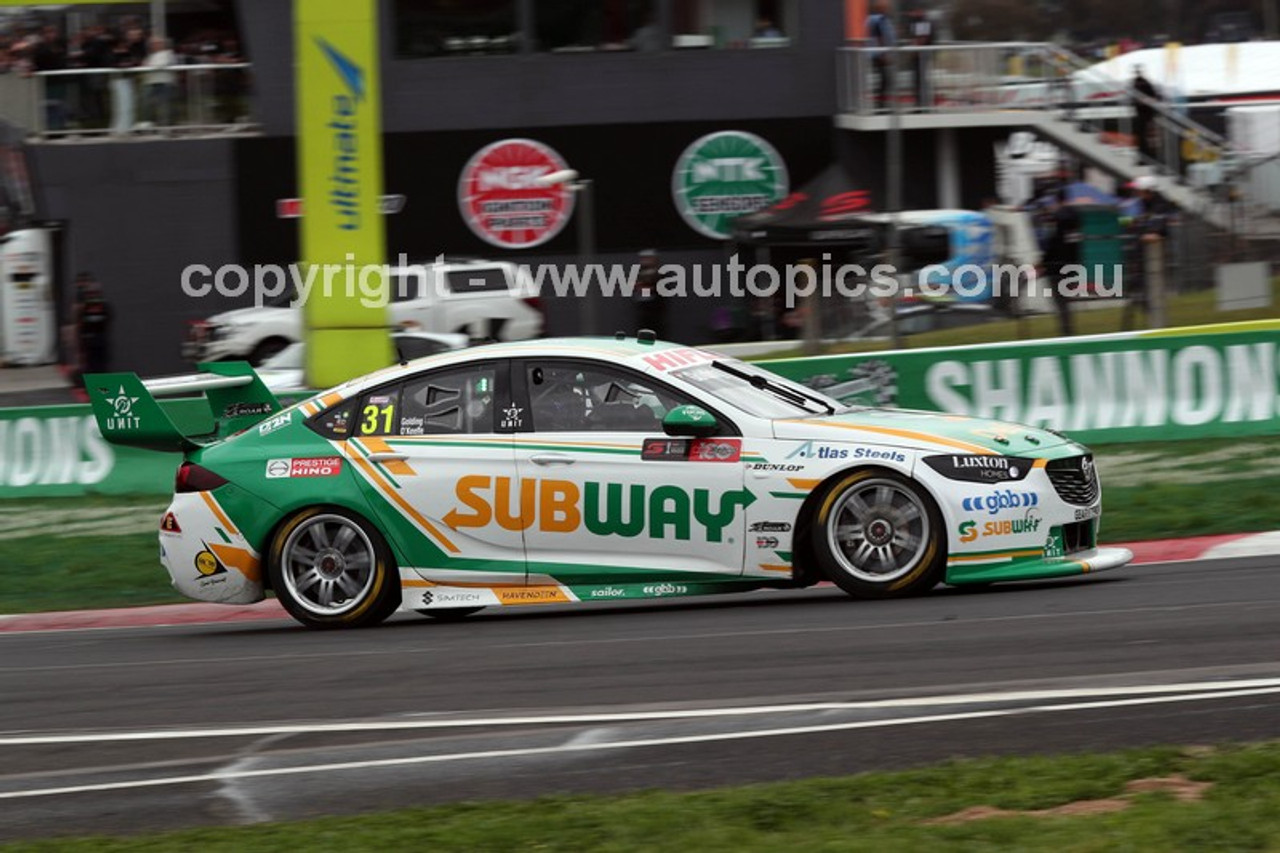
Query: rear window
[479, 280]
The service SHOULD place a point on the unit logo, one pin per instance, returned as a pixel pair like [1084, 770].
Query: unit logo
[605, 509]
[122, 416]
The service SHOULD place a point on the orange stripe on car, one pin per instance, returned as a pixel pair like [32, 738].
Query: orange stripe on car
[332, 399]
[219, 514]
[240, 559]
[914, 436]
[803, 484]
[398, 467]
[991, 558]
[387, 491]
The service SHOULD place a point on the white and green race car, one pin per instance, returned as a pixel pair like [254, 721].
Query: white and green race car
[589, 469]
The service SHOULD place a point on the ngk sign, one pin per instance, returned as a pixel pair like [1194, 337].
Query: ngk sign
[501, 201]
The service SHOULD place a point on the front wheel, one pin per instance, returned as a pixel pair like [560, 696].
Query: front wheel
[332, 569]
[878, 535]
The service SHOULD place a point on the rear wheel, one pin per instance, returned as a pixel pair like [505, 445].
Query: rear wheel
[332, 569]
[878, 535]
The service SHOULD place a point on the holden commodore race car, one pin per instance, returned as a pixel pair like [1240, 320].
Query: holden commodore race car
[590, 469]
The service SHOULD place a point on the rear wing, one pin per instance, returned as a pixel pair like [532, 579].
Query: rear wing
[232, 399]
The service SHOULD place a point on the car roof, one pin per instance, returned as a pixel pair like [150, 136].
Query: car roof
[639, 355]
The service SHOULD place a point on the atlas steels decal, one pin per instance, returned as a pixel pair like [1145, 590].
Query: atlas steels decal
[501, 201]
[724, 175]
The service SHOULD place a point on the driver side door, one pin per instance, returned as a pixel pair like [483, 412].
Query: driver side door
[610, 498]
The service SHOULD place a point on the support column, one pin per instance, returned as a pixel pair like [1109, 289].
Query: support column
[948, 168]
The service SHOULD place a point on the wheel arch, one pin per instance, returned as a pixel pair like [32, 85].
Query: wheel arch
[287, 515]
[805, 560]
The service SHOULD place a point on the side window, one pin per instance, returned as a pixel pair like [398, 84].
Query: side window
[570, 396]
[449, 401]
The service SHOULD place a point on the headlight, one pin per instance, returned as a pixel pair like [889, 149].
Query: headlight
[981, 469]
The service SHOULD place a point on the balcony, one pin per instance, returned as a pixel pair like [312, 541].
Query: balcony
[125, 103]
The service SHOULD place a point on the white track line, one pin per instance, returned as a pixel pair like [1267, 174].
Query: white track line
[371, 725]
[223, 776]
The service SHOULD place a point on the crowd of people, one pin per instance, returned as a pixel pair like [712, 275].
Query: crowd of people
[124, 102]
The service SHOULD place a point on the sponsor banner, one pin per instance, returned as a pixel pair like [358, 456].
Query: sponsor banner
[502, 200]
[724, 175]
[1195, 382]
[57, 451]
[339, 137]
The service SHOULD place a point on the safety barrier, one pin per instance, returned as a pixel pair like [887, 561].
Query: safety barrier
[1196, 382]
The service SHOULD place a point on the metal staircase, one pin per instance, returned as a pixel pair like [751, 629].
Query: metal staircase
[1043, 88]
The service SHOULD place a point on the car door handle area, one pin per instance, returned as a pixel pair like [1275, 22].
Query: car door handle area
[388, 457]
[551, 459]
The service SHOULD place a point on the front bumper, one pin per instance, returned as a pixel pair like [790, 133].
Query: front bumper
[1038, 568]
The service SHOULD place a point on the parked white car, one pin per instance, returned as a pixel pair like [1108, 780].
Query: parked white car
[285, 372]
[484, 300]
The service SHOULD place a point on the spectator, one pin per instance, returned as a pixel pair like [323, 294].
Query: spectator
[229, 87]
[93, 325]
[881, 34]
[1149, 225]
[1061, 251]
[650, 310]
[123, 106]
[766, 29]
[1144, 113]
[922, 37]
[161, 84]
[49, 53]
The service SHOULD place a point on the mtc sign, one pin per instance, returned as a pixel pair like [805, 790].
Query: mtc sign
[724, 175]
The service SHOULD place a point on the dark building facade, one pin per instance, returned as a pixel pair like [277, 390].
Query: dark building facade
[137, 212]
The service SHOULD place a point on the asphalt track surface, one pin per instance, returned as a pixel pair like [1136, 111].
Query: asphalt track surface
[128, 730]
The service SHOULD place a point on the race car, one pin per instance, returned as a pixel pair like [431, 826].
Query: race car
[590, 469]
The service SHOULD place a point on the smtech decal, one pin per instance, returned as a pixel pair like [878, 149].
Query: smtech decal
[604, 509]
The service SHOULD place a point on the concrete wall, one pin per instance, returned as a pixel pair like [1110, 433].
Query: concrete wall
[136, 214]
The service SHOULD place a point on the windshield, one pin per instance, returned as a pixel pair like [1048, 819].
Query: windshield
[757, 392]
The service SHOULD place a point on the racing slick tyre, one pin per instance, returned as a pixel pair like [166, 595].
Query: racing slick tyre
[331, 569]
[266, 349]
[878, 535]
[449, 614]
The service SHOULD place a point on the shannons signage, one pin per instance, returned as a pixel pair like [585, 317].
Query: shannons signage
[58, 451]
[1178, 383]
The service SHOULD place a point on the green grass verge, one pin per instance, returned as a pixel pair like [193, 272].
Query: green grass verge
[1191, 309]
[1151, 491]
[1240, 810]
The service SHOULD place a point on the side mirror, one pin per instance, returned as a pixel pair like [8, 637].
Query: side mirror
[692, 421]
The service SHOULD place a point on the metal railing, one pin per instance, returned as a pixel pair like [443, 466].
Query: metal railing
[1034, 76]
[130, 101]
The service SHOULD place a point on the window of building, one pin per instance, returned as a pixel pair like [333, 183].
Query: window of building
[455, 27]
[733, 23]
[571, 26]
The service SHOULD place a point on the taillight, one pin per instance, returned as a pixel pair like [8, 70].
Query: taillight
[533, 302]
[197, 331]
[192, 478]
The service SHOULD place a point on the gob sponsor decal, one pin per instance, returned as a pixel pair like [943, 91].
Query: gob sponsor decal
[312, 466]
